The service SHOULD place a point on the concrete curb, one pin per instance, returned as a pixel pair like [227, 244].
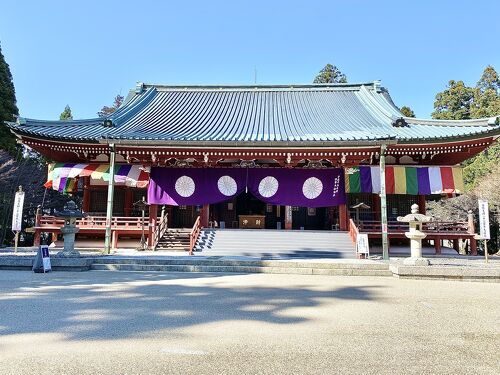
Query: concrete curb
[471, 272]
[463, 273]
[58, 264]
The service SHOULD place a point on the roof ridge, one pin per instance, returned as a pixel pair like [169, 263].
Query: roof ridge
[281, 87]
[485, 121]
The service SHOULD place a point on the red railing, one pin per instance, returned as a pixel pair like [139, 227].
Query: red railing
[92, 222]
[161, 228]
[398, 227]
[353, 231]
[193, 236]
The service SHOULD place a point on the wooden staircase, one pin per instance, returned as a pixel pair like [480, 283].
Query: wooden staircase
[175, 239]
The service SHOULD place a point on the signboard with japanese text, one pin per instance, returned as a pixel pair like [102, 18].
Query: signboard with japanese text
[17, 214]
[362, 245]
[47, 267]
[484, 219]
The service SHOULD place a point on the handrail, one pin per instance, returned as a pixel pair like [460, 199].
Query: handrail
[353, 231]
[369, 226]
[193, 236]
[94, 222]
[161, 228]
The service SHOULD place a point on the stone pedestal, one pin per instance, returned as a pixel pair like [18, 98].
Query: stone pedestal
[69, 232]
[70, 214]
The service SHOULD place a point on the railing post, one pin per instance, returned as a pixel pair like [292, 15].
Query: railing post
[153, 213]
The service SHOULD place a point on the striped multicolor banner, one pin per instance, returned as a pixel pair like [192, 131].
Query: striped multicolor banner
[62, 176]
[405, 180]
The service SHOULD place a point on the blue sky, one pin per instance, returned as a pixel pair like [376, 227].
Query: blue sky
[84, 53]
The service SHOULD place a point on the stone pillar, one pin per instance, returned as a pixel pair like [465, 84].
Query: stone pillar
[205, 216]
[288, 217]
[86, 194]
[153, 213]
[343, 218]
[470, 223]
[472, 230]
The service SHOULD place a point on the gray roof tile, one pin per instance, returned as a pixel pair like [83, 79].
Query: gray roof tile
[303, 113]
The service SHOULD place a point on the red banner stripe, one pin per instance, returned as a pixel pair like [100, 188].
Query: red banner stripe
[447, 178]
[87, 171]
[389, 180]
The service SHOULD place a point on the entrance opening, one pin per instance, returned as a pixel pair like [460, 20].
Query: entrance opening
[229, 215]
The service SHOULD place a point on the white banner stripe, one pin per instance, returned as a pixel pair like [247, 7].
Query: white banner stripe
[435, 180]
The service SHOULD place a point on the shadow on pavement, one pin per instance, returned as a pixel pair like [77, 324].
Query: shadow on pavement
[118, 305]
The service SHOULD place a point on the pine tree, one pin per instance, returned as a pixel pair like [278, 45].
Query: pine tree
[330, 74]
[8, 107]
[66, 114]
[407, 111]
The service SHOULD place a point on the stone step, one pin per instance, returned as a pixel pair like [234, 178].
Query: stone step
[241, 269]
[246, 263]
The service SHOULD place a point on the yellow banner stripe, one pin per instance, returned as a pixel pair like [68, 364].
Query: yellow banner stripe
[399, 180]
[458, 180]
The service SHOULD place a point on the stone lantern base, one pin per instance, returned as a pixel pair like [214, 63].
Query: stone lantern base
[69, 251]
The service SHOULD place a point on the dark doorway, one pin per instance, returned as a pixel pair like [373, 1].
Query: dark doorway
[310, 218]
[247, 204]
[183, 216]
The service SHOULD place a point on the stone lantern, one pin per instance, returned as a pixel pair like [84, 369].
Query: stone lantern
[416, 236]
[70, 214]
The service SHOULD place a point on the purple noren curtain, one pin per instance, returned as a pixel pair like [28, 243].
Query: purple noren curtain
[294, 187]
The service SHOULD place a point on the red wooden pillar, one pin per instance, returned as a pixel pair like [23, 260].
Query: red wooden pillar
[129, 198]
[153, 213]
[343, 218]
[456, 245]
[288, 217]
[437, 245]
[86, 194]
[421, 204]
[205, 216]
[473, 246]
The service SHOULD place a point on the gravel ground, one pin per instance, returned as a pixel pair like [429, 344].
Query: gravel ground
[154, 323]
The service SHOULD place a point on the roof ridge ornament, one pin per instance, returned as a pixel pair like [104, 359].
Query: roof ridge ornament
[139, 87]
[399, 122]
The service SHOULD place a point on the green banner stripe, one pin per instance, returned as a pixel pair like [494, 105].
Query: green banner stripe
[355, 182]
[411, 181]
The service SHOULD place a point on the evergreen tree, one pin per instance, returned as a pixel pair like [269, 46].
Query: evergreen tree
[454, 103]
[487, 95]
[66, 114]
[8, 107]
[106, 111]
[407, 111]
[330, 74]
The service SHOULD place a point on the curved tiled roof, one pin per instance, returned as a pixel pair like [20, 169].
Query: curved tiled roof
[257, 114]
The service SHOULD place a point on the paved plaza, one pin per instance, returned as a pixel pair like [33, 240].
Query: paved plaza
[185, 323]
